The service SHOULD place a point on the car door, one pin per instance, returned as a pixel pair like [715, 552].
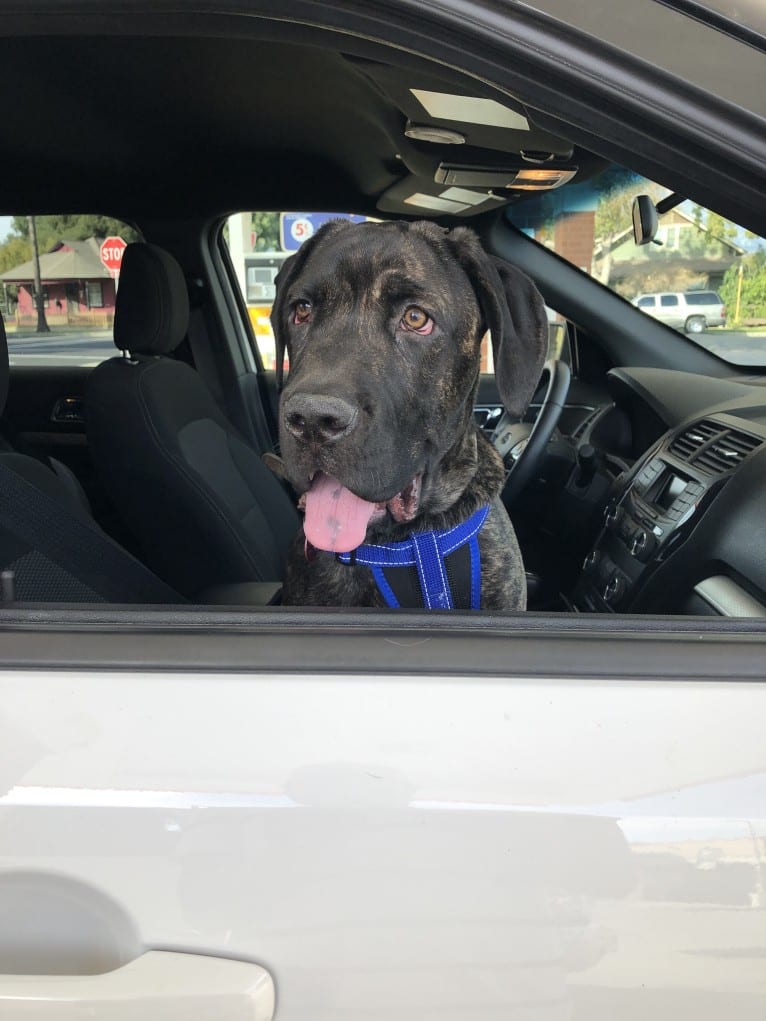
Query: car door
[669, 310]
[535, 817]
[441, 819]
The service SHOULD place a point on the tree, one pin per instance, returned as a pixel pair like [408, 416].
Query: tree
[13, 252]
[266, 227]
[715, 230]
[57, 227]
[42, 322]
[614, 213]
[720, 229]
[752, 303]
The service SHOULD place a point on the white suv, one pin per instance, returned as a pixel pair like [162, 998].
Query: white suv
[692, 311]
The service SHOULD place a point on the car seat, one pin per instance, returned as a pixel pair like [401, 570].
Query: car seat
[203, 506]
[51, 549]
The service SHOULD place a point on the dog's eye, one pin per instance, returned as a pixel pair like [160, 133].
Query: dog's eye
[417, 321]
[302, 312]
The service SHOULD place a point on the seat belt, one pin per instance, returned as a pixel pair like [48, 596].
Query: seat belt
[199, 344]
[259, 419]
[79, 548]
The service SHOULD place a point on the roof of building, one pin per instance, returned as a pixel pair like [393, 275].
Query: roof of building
[67, 260]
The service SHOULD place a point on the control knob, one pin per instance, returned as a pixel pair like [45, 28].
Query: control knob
[614, 589]
[642, 544]
[612, 516]
[591, 562]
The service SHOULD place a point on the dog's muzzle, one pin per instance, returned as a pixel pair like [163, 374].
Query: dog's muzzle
[315, 418]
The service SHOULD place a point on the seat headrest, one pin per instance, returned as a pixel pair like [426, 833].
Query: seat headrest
[4, 366]
[151, 314]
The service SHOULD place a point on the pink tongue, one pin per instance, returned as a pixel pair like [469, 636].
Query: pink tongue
[336, 520]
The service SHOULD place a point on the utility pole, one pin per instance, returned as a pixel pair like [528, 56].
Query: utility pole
[42, 324]
[739, 292]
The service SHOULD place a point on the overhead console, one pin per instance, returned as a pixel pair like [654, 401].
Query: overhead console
[635, 564]
[465, 148]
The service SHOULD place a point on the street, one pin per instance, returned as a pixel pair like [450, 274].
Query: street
[92, 347]
[738, 348]
[86, 348]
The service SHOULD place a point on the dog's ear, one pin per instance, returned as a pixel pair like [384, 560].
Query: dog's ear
[514, 313]
[288, 272]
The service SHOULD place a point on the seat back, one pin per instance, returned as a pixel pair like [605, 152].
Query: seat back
[51, 549]
[204, 508]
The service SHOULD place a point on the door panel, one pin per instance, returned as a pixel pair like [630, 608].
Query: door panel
[45, 414]
[408, 846]
[45, 409]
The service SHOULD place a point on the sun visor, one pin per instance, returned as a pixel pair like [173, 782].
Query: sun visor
[485, 118]
[415, 196]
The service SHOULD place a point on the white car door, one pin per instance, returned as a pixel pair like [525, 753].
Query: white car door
[383, 823]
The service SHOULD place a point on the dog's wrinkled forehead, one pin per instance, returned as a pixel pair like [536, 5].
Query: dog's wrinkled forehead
[383, 263]
[462, 289]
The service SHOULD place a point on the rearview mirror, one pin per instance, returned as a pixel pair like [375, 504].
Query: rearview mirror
[645, 220]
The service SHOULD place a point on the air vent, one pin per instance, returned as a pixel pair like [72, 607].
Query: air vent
[727, 452]
[588, 420]
[692, 440]
[713, 447]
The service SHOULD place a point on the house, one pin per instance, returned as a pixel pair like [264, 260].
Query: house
[77, 288]
[689, 256]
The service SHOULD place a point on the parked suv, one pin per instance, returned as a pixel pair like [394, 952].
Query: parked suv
[692, 311]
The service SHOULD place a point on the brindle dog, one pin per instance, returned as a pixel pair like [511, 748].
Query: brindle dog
[383, 324]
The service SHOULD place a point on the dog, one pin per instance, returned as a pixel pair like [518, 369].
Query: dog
[383, 324]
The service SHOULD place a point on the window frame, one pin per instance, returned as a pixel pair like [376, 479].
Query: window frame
[89, 284]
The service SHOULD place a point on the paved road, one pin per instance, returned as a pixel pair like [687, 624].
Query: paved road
[61, 348]
[739, 348]
[93, 347]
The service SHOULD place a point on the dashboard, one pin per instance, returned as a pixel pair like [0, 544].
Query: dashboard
[684, 519]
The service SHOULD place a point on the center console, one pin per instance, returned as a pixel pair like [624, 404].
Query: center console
[660, 502]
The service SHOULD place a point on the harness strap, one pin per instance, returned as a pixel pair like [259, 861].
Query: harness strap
[438, 570]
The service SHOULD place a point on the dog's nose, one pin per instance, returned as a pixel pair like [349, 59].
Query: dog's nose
[318, 418]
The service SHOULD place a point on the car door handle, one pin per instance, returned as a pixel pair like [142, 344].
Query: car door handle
[68, 411]
[158, 985]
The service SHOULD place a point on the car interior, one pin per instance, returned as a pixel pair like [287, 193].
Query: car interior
[636, 480]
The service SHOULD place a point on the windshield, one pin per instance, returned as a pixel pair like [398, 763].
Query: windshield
[702, 275]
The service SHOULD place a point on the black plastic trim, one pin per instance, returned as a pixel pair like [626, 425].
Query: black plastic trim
[313, 642]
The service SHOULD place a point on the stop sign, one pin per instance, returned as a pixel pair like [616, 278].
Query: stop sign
[111, 254]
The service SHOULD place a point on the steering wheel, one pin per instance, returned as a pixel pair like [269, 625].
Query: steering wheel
[522, 444]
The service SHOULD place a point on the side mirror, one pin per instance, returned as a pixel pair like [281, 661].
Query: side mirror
[645, 220]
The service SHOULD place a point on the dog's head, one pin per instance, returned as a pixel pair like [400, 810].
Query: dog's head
[383, 326]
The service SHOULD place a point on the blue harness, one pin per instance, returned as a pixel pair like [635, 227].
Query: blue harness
[427, 552]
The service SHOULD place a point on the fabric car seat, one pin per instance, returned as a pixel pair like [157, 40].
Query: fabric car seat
[51, 549]
[203, 506]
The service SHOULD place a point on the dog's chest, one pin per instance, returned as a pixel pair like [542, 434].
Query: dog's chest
[323, 581]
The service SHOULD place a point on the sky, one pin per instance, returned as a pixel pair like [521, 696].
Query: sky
[5, 226]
